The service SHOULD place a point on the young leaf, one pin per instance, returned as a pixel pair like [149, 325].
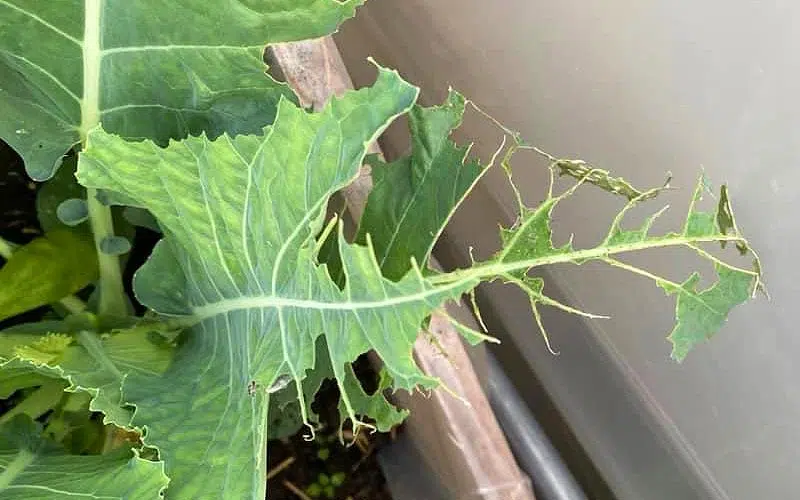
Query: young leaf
[240, 216]
[115, 245]
[147, 69]
[414, 197]
[61, 187]
[72, 211]
[46, 270]
[34, 468]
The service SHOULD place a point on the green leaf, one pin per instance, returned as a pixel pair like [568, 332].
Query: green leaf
[414, 197]
[115, 245]
[37, 402]
[152, 69]
[285, 419]
[374, 406]
[240, 216]
[61, 187]
[46, 270]
[74, 426]
[701, 314]
[410, 203]
[91, 363]
[141, 218]
[73, 211]
[528, 245]
[239, 261]
[36, 469]
[24, 357]
[18, 375]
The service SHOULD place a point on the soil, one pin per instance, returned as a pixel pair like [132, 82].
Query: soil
[310, 462]
[18, 223]
[295, 465]
[17, 199]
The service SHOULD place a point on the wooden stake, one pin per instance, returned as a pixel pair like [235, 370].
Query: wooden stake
[280, 468]
[297, 491]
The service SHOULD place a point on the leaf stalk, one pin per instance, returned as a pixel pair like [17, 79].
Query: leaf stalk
[112, 293]
[493, 269]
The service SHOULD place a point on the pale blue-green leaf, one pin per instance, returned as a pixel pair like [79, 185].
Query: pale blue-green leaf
[374, 406]
[91, 363]
[36, 469]
[141, 218]
[153, 69]
[16, 375]
[115, 245]
[406, 211]
[240, 216]
[72, 211]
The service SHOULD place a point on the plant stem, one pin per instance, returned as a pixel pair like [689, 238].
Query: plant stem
[112, 294]
[38, 402]
[73, 304]
[493, 269]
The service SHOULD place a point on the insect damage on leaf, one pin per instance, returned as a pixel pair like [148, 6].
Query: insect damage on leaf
[253, 300]
[699, 314]
[414, 197]
[239, 218]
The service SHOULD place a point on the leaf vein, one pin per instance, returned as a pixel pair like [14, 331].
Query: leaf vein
[42, 22]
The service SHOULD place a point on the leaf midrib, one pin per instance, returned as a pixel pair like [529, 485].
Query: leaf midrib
[276, 302]
[439, 283]
[498, 268]
[90, 103]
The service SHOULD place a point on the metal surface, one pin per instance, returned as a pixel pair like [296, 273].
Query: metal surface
[534, 452]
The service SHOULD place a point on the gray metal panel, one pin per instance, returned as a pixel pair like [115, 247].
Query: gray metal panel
[535, 453]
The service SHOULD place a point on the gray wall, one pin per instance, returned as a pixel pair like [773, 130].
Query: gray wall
[641, 88]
